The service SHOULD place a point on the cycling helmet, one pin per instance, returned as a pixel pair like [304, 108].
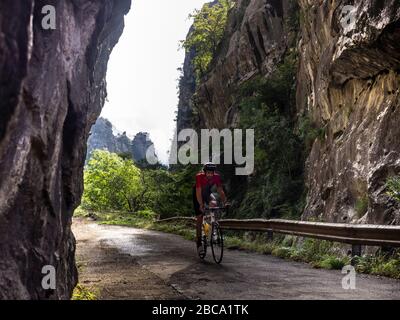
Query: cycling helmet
[209, 166]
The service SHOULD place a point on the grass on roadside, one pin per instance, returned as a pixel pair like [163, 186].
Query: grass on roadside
[83, 293]
[139, 221]
[318, 253]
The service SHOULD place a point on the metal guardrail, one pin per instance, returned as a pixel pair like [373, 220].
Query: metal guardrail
[354, 234]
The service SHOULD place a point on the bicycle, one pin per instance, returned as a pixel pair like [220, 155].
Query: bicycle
[214, 238]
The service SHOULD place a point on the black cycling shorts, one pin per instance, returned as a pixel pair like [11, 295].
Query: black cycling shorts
[206, 199]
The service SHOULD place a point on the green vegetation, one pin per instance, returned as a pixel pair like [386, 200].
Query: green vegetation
[112, 182]
[83, 293]
[393, 187]
[208, 30]
[309, 132]
[387, 265]
[266, 106]
[293, 21]
[115, 183]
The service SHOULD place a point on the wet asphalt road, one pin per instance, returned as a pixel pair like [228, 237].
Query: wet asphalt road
[128, 263]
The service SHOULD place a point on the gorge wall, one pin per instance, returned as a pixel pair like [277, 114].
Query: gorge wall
[256, 39]
[347, 86]
[52, 88]
[258, 35]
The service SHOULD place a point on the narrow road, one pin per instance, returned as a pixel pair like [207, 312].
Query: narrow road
[128, 263]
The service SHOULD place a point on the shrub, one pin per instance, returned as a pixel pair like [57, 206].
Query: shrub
[112, 183]
[389, 268]
[282, 252]
[332, 262]
[266, 106]
[146, 213]
[393, 187]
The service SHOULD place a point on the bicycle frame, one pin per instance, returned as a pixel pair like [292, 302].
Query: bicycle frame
[211, 214]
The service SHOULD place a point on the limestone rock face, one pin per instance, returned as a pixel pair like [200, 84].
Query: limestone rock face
[255, 41]
[52, 88]
[187, 88]
[143, 149]
[349, 84]
[102, 137]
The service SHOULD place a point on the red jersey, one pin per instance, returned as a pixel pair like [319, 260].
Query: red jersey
[202, 181]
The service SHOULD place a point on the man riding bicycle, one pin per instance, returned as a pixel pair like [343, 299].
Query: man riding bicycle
[202, 195]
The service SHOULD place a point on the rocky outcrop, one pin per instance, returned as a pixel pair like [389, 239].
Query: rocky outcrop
[255, 41]
[349, 84]
[347, 87]
[143, 149]
[258, 35]
[187, 88]
[52, 88]
[185, 116]
[102, 137]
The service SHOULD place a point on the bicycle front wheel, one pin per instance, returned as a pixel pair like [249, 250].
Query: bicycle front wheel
[217, 243]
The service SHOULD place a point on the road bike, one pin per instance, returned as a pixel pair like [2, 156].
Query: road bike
[211, 234]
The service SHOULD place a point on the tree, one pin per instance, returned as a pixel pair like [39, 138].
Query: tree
[170, 194]
[112, 183]
[207, 32]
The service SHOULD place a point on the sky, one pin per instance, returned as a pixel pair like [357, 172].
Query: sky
[142, 74]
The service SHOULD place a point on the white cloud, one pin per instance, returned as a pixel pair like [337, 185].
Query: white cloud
[142, 73]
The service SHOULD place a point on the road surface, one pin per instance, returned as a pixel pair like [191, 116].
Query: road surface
[129, 263]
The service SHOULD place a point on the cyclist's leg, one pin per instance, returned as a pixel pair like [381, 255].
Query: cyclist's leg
[199, 223]
[199, 218]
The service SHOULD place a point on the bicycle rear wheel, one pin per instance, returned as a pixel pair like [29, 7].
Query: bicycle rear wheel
[217, 243]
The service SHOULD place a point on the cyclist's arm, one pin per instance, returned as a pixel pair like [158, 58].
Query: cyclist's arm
[199, 197]
[221, 194]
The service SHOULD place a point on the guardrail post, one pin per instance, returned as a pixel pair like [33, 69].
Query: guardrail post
[270, 236]
[356, 250]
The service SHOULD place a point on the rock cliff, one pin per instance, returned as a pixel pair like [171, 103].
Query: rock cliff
[52, 88]
[143, 149]
[102, 137]
[347, 86]
[256, 39]
[258, 35]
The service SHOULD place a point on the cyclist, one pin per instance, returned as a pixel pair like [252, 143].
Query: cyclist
[202, 196]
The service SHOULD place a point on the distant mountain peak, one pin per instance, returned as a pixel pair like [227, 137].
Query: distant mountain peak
[105, 136]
